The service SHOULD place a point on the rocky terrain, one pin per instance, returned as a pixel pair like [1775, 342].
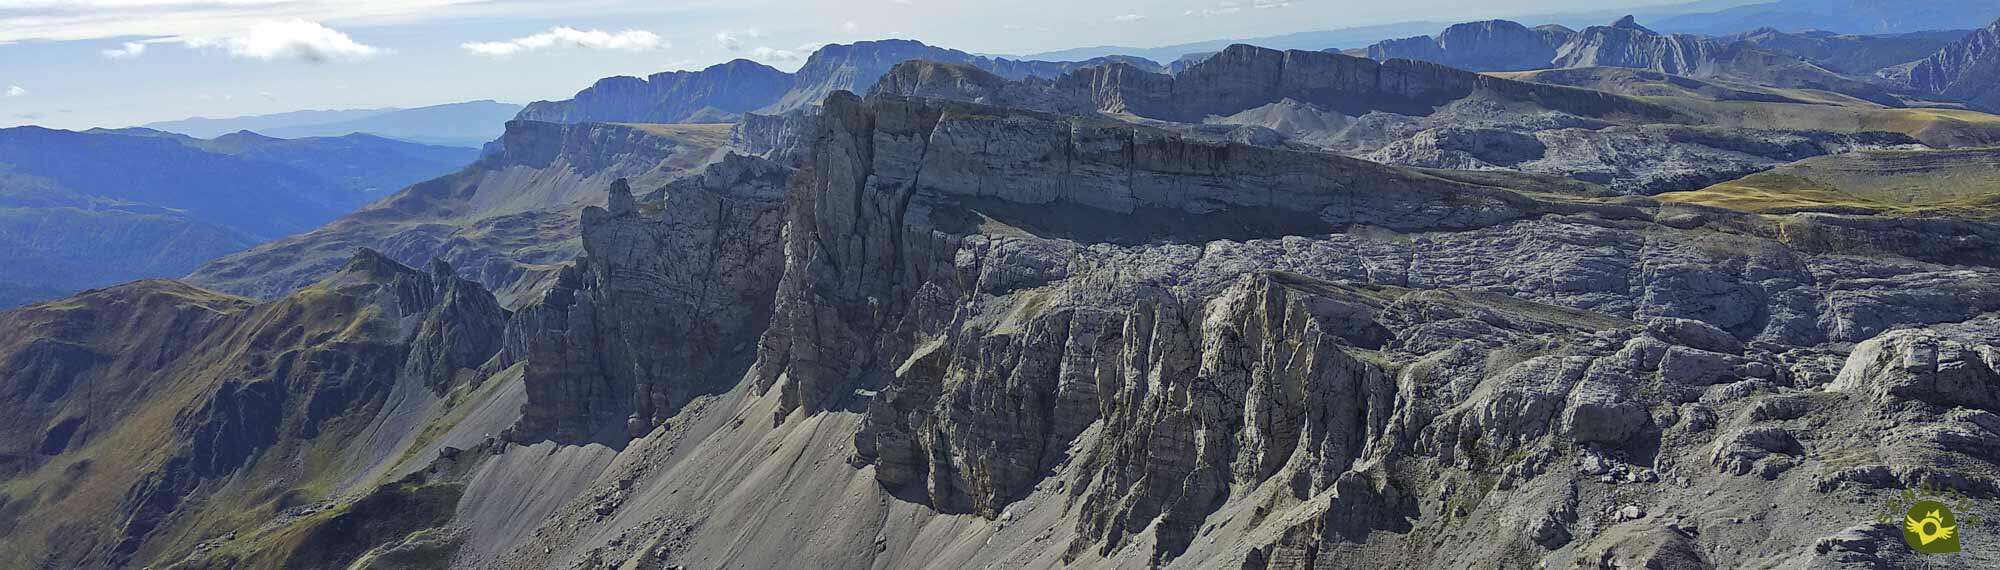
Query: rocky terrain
[1967, 70]
[1275, 309]
[507, 220]
[982, 337]
[723, 93]
[1422, 114]
[1492, 45]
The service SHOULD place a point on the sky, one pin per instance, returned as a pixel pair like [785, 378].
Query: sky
[78, 64]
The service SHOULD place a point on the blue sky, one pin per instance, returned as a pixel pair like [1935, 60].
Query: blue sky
[85, 63]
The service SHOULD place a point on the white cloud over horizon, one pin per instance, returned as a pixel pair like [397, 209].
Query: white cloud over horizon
[565, 36]
[298, 40]
[1129, 18]
[182, 20]
[16, 91]
[131, 50]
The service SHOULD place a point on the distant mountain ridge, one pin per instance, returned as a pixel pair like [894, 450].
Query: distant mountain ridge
[1842, 16]
[724, 92]
[93, 208]
[1764, 56]
[1968, 69]
[466, 124]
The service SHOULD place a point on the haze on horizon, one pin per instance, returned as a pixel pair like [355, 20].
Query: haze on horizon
[87, 63]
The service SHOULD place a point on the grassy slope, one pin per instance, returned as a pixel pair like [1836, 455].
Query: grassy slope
[1728, 104]
[1963, 183]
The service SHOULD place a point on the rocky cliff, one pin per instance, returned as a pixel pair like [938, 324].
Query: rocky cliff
[717, 94]
[973, 336]
[1119, 347]
[1966, 70]
[723, 93]
[1492, 45]
[1409, 113]
[505, 221]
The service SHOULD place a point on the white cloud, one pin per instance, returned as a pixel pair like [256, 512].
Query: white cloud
[729, 41]
[178, 20]
[290, 39]
[130, 50]
[1128, 18]
[628, 40]
[16, 91]
[733, 41]
[849, 26]
[767, 54]
[1223, 7]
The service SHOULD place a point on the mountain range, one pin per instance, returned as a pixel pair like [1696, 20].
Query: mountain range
[1615, 298]
[1841, 16]
[469, 124]
[95, 208]
[724, 92]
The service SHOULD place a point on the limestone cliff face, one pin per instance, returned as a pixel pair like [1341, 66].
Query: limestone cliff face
[1966, 70]
[1245, 77]
[1492, 45]
[506, 221]
[720, 93]
[982, 337]
[1626, 44]
[1014, 299]
[898, 181]
[668, 298]
[725, 92]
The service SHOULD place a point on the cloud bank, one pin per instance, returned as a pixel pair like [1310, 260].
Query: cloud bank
[295, 40]
[131, 50]
[628, 40]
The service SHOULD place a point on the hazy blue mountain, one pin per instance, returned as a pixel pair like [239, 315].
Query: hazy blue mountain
[94, 208]
[467, 124]
[1844, 16]
[206, 127]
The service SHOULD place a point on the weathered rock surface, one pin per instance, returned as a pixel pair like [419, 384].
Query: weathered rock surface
[718, 94]
[1967, 70]
[183, 403]
[506, 221]
[725, 92]
[1406, 113]
[919, 332]
[1492, 45]
[667, 299]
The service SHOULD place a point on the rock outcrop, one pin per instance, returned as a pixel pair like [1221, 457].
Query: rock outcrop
[1492, 45]
[1967, 70]
[665, 302]
[966, 335]
[719, 94]
[725, 92]
[506, 221]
